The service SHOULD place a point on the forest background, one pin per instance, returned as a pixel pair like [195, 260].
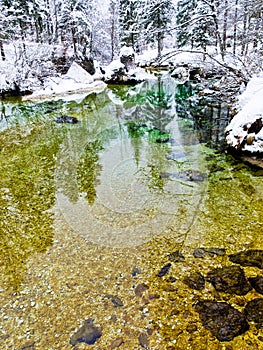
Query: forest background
[40, 31]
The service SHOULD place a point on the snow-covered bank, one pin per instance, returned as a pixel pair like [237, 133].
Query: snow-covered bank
[76, 80]
[245, 131]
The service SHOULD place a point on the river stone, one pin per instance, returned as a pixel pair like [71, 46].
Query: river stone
[195, 281]
[176, 256]
[229, 279]
[140, 289]
[164, 270]
[202, 252]
[87, 333]
[252, 257]
[28, 346]
[116, 301]
[116, 343]
[221, 319]
[136, 271]
[254, 311]
[257, 283]
[67, 119]
[144, 341]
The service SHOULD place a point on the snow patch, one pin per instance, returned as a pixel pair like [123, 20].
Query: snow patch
[251, 109]
[78, 74]
[126, 51]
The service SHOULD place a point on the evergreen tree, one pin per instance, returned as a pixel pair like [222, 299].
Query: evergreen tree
[129, 23]
[74, 25]
[195, 24]
[185, 9]
[203, 28]
[156, 19]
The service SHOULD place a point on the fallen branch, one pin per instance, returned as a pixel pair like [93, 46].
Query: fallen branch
[236, 71]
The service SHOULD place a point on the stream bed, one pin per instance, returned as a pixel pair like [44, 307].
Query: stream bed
[118, 225]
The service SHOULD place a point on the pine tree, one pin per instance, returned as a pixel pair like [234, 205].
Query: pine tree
[156, 19]
[129, 23]
[195, 24]
[203, 28]
[185, 10]
[74, 25]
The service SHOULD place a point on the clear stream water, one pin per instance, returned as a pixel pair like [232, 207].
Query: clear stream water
[135, 179]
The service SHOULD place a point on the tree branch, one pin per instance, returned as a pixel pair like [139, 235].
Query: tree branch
[236, 71]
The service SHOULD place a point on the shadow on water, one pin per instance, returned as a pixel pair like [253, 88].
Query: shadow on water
[27, 193]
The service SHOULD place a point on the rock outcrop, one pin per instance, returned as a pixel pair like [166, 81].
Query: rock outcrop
[244, 134]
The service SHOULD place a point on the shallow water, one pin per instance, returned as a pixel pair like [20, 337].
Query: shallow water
[94, 209]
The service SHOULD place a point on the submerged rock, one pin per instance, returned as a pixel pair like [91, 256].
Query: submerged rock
[116, 343]
[252, 257]
[176, 256]
[144, 341]
[202, 252]
[257, 283]
[136, 271]
[164, 270]
[229, 279]
[140, 289]
[221, 319]
[195, 281]
[67, 119]
[116, 301]
[254, 311]
[88, 333]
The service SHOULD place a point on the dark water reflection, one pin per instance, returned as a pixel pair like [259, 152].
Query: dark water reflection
[209, 115]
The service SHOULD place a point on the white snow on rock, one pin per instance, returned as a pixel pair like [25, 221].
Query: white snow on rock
[75, 80]
[78, 74]
[112, 68]
[126, 51]
[251, 109]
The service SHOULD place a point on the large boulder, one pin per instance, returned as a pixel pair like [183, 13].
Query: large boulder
[79, 74]
[116, 73]
[251, 257]
[127, 58]
[245, 131]
[229, 279]
[221, 319]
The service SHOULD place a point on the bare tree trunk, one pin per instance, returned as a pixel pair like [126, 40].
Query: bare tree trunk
[244, 34]
[74, 42]
[91, 43]
[225, 25]
[159, 38]
[235, 29]
[112, 33]
[258, 18]
[214, 10]
[2, 50]
[159, 44]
